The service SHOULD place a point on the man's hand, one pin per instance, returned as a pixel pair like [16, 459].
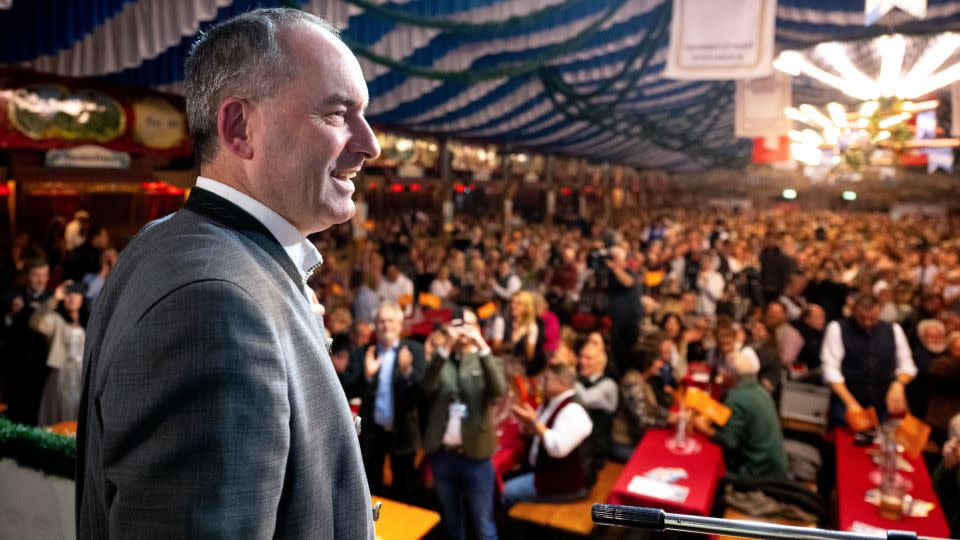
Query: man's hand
[405, 361]
[854, 407]
[17, 305]
[472, 333]
[60, 293]
[371, 364]
[896, 398]
[951, 454]
[702, 424]
[525, 413]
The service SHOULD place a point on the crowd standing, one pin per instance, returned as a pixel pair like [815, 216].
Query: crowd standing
[575, 335]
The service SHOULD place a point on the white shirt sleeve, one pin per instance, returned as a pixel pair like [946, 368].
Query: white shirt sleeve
[571, 427]
[439, 289]
[603, 395]
[513, 287]
[715, 285]
[497, 328]
[905, 363]
[831, 354]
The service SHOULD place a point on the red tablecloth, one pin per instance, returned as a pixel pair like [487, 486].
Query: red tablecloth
[853, 481]
[704, 470]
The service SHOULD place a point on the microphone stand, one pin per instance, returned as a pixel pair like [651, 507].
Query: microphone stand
[655, 519]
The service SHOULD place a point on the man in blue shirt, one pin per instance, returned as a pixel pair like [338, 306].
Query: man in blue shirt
[393, 372]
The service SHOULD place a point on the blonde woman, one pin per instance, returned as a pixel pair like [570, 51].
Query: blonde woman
[524, 333]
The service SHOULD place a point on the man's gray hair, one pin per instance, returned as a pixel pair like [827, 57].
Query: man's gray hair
[930, 324]
[390, 305]
[241, 57]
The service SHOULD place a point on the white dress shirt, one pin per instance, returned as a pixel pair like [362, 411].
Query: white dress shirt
[571, 427]
[832, 352]
[392, 291]
[300, 250]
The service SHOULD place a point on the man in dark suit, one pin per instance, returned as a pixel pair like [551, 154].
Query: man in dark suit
[25, 358]
[210, 407]
[393, 372]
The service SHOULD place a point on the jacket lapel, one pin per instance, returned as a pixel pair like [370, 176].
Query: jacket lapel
[233, 217]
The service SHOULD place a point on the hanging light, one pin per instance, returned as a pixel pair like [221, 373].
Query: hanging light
[838, 114]
[868, 108]
[930, 105]
[830, 63]
[812, 138]
[891, 50]
[814, 114]
[794, 114]
[891, 121]
[933, 57]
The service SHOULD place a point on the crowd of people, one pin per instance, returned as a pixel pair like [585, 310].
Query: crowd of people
[577, 334]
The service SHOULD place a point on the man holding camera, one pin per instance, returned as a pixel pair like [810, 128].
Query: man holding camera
[623, 297]
[461, 383]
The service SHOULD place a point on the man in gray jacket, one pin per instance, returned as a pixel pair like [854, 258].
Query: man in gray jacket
[210, 405]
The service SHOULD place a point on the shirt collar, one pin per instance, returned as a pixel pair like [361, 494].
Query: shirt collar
[394, 345]
[300, 250]
[560, 397]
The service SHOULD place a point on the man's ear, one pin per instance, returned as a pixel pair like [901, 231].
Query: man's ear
[232, 129]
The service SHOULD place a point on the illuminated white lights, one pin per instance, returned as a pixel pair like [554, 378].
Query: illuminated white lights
[891, 50]
[894, 78]
[795, 114]
[814, 114]
[868, 108]
[891, 121]
[837, 114]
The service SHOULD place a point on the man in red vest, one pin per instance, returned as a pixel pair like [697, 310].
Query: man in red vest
[560, 427]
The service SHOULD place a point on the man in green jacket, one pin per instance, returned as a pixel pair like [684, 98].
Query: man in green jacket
[752, 439]
[461, 383]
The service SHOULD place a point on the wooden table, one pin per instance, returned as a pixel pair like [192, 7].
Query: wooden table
[704, 471]
[399, 521]
[853, 481]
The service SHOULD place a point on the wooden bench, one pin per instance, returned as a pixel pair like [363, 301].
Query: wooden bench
[399, 521]
[730, 513]
[572, 516]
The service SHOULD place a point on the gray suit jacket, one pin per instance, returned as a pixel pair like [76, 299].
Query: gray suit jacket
[210, 406]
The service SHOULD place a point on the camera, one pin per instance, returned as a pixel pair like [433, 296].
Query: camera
[597, 259]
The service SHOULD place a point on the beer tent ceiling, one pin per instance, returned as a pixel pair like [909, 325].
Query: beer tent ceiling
[573, 77]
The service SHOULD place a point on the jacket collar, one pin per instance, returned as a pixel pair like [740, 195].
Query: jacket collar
[216, 208]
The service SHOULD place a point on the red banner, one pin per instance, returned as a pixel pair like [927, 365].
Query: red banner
[47, 112]
[766, 154]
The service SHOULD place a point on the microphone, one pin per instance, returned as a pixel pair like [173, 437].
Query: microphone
[655, 519]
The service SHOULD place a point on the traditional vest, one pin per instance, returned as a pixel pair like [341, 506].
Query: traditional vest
[558, 476]
[869, 362]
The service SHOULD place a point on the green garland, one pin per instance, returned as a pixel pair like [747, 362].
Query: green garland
[35, 448]
[470, 76]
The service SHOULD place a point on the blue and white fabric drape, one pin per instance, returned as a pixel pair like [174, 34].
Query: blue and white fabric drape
[576, 77]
